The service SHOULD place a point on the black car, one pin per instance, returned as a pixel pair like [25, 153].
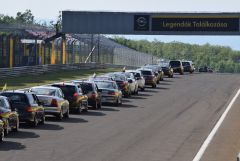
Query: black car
[27, 105]
[167, 69]
[205, 69]
[78, 102]
[90, 89]
[188, 66]
[177, 66]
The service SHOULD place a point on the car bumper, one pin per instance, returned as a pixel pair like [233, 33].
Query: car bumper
[52, 110]
[109, 99]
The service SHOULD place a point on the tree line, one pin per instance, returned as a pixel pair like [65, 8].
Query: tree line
[27, 18]
[219, 58]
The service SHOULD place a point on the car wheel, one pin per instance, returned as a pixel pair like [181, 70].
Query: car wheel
[60, 115]
[16, 129]
[6, 129]
[95, 105]
[99, 105]
[66, 115]
[1, 136]
[42, 122]
[117, 102]
[79, 110]
[35, 122]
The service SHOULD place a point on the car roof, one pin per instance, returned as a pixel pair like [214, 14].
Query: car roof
[145, 69]
[83, 81]
[18, 92]
[64, 84]
[3, 97]
[136, 71]
[46, 87]
[109, 81]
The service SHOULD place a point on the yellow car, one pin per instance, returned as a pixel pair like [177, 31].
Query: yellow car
[10, 118]
[78, 102]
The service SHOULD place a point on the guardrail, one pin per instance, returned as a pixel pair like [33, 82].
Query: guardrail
[40, 69]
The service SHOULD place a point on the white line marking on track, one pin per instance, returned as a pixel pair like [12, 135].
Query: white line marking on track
[215, 129]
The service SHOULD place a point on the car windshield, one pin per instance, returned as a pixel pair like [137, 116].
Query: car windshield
[175, 63]
[44, 91]
[109, 85]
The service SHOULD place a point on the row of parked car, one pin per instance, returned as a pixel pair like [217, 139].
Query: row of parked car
[59, 99]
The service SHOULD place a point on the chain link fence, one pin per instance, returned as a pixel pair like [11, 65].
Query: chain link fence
[26, 47]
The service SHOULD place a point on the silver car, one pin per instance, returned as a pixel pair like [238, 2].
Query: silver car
[110, 92]
[53, 101]
[139, 77]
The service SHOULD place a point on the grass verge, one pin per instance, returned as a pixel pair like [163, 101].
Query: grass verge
[25, 81]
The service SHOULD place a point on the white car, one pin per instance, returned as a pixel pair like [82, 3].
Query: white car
[139, 77]
[132, 82]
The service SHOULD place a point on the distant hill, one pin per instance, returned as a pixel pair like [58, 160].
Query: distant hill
[222, 59]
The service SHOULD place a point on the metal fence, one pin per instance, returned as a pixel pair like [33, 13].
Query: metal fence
[27, 50]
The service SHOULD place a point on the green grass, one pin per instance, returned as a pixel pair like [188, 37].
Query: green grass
[25, 81]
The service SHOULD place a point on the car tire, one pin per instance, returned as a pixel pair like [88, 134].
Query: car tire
[99, 105]
[66, 115]
[16, 129]
[60, 116]
[117, 102]
[6, 130]
[95, 105]
[79, 110]
[1, 136]
[42, 122]
[35, 122]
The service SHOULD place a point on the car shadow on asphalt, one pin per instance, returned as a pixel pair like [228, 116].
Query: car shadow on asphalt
[163, 83]
[93, 113]
[46, 126]
[10, 145]
[127, 106]
[109, 109]
[67, 120]
[22, 135]
[137, 97]
[167, 80]
[144, 94]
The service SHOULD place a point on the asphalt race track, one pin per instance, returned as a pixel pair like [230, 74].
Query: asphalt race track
[168, 123]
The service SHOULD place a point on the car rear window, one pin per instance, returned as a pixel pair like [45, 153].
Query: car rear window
[185, 63]
[175, 63]
[16, 97]
[67, 89]
[109, 85]
[44, 91]
[86, 87]
[146, 72]
[137, 75]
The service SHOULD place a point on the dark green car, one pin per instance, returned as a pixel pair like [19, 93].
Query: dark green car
[27, 105]
[1, 131]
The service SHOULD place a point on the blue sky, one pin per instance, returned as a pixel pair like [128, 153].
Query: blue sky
[48, 10]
